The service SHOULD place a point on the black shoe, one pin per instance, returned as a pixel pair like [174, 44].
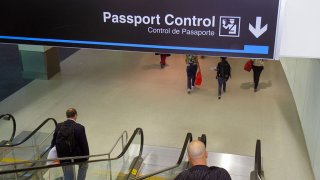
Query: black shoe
[255, 90]
[224, 90]
[219, 97]
[162, 66]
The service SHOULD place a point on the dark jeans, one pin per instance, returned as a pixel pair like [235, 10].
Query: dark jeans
[256, 75]
[221, 82]
[191, 73]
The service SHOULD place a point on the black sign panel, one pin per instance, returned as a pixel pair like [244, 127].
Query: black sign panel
[236, 28]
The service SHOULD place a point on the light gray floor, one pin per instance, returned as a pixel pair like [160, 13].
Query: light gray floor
[115, 91]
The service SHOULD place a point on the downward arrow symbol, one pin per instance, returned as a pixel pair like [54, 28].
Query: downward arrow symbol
[258, 31]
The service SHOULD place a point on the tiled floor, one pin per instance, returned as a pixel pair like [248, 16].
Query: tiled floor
[115, 91]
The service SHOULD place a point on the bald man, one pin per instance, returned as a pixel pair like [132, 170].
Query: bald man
[200, 171]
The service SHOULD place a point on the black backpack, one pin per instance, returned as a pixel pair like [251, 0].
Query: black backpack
[65, 140]
[225, 70]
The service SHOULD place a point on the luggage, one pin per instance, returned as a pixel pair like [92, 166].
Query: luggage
[248, 65]
[198, 79]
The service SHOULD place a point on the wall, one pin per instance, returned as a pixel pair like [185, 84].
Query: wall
[299, 28]
[303, 77]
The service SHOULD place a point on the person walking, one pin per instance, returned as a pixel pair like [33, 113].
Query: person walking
[257, 68]
[223, 74]
[192, 67]
[163, 58]
[70, 140]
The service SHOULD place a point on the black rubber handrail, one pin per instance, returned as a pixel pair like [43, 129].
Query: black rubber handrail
[14, 125]
[138, 131]
[257, 173]
[187, 140]
[32, 133]
[203, 139]
[258, 161]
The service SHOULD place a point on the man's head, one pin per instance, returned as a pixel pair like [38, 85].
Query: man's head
[223, 58]
[197, 153]
[72, 113]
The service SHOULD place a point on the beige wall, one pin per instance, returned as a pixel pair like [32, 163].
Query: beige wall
[304, 78]
[299, 28]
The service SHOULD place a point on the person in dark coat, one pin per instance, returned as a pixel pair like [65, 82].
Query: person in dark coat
[192, 67]
[80, 146]
[223, 74]
[257, 67]
[197, 155]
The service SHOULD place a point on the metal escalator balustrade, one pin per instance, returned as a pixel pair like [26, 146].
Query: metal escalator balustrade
[239, 167]
[29, 145]
[57, 172]
[119, 167]
[257, 173]
[173, 170]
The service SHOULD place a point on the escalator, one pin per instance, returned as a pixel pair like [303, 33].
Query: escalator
[28, 145]
[130, 161]
[239, 167]
[116, 164]
[124, 164]
[173, 170]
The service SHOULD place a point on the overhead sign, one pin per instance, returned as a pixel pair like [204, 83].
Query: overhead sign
[236, 28]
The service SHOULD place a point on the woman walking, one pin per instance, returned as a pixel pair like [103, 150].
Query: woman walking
[257, 68]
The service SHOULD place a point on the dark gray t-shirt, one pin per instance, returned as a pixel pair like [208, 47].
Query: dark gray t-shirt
[202, 172]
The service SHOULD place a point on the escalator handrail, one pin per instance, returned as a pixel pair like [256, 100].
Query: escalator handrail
[68, 158]
[115, 144]
[138, 131]
[257, 173]
[203, 139]
[33, 132]
[14, 125]
[258, 163]
[123, 134]
[187, 140]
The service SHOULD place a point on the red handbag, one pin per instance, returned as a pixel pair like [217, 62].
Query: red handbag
[198, 79]
[248, 65]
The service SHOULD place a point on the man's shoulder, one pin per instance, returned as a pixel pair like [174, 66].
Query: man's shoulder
[79, 127]
[219, 173]
[215, 168]
[194, 172]
[202, 172]
[71, 123]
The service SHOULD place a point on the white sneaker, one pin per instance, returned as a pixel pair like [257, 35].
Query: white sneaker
[192, 87]
[188, 90]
